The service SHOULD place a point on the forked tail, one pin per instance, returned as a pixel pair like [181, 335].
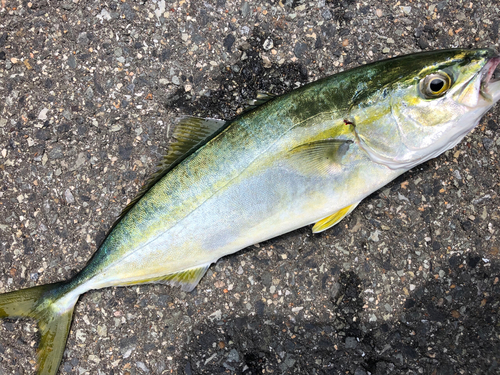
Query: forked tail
[50, 306]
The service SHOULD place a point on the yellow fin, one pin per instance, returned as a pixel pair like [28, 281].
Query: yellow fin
[187, 279]
[331, 220]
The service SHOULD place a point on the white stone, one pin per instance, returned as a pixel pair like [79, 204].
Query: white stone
[43, 114]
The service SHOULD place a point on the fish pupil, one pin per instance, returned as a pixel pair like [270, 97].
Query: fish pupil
[436, 85]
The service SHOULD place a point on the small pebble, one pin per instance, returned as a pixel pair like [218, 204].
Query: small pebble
[69, 197]
[300, 49]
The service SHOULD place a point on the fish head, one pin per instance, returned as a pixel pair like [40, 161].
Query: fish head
[418, 106]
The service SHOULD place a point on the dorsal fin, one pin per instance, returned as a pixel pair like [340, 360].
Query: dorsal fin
[190, 133]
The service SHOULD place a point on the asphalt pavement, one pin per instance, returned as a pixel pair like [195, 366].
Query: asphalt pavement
[90, 90]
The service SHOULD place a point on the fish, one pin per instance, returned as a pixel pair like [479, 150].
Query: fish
[309, 156]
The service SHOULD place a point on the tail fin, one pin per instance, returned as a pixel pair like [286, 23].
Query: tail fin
[54, 320]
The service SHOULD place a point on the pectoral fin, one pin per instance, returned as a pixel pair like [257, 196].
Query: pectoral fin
[323, 156]
[331, 220]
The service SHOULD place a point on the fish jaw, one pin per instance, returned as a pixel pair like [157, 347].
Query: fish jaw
[481, 91]
[490, 88]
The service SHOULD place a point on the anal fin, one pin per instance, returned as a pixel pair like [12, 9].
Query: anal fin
[331, 220]
[187, 279]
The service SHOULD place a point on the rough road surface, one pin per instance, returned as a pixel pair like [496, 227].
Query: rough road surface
[408, 284]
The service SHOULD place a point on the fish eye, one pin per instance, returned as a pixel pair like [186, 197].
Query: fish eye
[435, 85]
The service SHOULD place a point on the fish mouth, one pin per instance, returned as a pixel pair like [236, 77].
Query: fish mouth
[490, 81]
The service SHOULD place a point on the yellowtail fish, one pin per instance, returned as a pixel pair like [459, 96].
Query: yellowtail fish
[309, 156]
